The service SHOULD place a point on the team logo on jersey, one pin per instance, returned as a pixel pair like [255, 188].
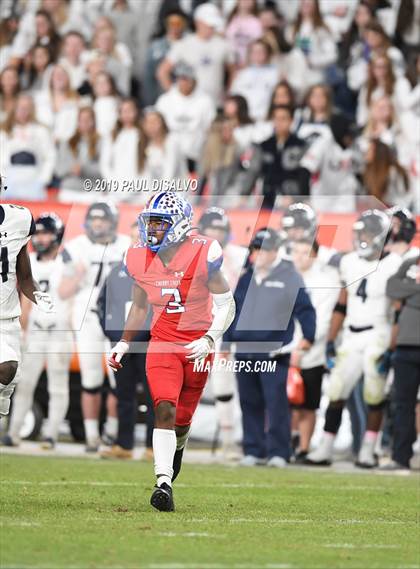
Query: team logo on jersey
[179, 274]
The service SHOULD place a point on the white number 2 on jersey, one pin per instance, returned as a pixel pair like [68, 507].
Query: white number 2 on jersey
[175, 305]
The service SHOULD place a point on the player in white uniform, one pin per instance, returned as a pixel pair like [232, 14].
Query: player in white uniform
[88, 259]
[366, 312]
[214, 223]
[299, 222]
[48, 339]
[16, 228]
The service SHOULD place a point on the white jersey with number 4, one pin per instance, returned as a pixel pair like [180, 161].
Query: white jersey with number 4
[16, 227]
[365, 282]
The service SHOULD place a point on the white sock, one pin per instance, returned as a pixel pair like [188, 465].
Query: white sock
[57, 409]
[111, 427]
[91, 429]
[416, 445]
[370, 438]
[327, 441]
[164, 446]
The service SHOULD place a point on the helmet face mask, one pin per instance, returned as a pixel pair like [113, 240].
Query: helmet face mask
[165, 221]
[371, 232]
[403, 225]
[215, 224]
[299, 222]
[101, 222]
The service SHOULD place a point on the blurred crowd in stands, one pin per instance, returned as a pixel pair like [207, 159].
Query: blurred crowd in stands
[266, 98]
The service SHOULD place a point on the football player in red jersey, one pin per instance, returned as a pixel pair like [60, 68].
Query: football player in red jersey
[179, 275]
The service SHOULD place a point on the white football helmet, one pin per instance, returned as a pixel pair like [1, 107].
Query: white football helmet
[171, 210]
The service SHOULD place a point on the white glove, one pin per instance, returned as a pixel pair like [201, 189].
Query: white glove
[117, 353]
[44, 302]
[200, 348]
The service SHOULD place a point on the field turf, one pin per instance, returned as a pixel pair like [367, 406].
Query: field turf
[63, 513]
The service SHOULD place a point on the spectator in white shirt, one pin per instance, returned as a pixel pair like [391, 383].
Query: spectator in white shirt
[9, 90]
[8, 29]
[125, 22]
[245, 130]
[106, 102]
[164, 160]
[27, 153]
[243, 28]
[73, 58]
[188, 112]
[313, 119]
[58, 106]
[381, 124]
[310, 34]
[123, 155]
[354, 47]
[205, 51]
[381, 81]
[115, 57]
[78, 160]
[377, 43]
[323, 285]
[35, 29]
[39, 68]
[256, 82]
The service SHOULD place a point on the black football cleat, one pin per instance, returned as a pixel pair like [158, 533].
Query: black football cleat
[162, 498]
[177, 463]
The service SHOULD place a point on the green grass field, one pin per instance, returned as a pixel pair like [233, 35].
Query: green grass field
[74, 513]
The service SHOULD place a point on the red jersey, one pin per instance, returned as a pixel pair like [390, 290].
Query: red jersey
[178, 292]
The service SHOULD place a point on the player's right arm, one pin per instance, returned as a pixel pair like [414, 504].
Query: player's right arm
[28, 285]
[337, 320]
[134, 323]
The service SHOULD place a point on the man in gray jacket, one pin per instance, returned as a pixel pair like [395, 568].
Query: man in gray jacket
[404, 286]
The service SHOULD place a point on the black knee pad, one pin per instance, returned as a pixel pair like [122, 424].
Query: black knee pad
[377, 407]
[92, 390]
[8, 372]
[224, 398]
[333, 417]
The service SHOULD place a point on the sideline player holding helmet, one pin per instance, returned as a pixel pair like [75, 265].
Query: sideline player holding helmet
[88, 259]
[48, 336]
[365, 310]
[179, 275]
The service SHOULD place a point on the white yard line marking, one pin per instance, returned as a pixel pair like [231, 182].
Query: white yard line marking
[190, 534]
[164, 566]
[360, 546]
[17, 523]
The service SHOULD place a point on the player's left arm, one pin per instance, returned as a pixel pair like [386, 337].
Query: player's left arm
[28, 285]
[224, 312]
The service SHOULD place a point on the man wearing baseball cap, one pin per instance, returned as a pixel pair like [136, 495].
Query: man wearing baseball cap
[269, 297]
[205, 50]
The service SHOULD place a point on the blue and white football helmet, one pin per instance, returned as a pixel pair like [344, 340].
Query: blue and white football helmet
[171, 209]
